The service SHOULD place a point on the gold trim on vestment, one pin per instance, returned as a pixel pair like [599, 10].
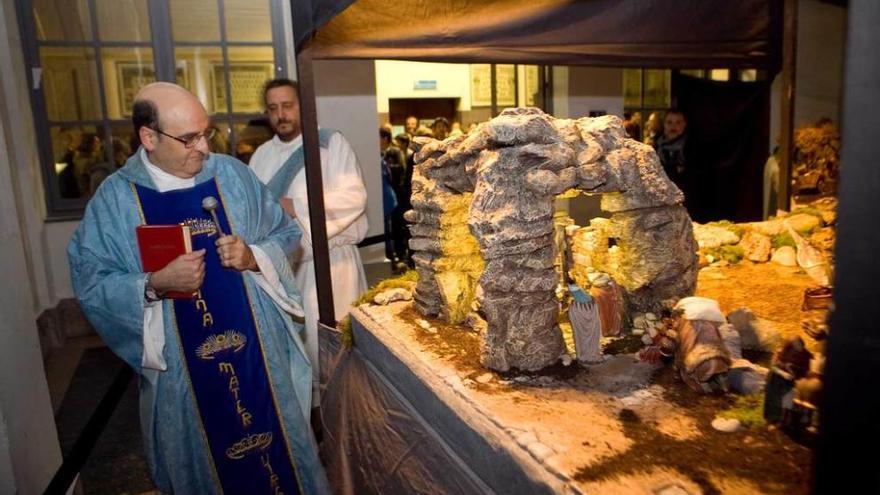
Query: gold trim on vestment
[281, 421]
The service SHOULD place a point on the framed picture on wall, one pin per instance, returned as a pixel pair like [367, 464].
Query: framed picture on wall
[132, 76]
[481, 85]
[246, 80]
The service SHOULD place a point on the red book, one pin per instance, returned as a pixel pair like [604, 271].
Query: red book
[160, 245]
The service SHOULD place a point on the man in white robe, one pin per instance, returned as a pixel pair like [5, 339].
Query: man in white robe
[192, 422]
[278, 163]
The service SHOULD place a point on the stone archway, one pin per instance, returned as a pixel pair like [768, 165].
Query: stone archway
[498, 273]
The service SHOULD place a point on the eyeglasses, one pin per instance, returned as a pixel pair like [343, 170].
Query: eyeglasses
[191, 140]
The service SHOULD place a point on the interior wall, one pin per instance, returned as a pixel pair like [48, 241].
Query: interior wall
[29, 448]
[348, 104]
[821, 45]
[594, 89]
[396, 79]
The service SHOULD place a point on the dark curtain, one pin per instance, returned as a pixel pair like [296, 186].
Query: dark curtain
[619, 33]
[728, 139]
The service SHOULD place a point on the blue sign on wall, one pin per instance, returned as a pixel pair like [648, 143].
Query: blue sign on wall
[425, 84]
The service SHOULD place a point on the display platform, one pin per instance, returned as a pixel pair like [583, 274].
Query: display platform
[409, 410]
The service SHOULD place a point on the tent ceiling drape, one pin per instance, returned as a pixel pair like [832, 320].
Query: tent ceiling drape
[619, 33]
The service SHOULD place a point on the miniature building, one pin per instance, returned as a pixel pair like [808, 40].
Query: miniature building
[483, 228]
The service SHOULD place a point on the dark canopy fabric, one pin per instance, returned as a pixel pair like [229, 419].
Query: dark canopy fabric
[620, 33]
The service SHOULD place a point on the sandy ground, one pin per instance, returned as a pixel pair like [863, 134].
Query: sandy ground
[624, 426]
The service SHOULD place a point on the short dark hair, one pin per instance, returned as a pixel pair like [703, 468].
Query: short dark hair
[384, 133]
[144, 113]
[279, 83]
[677, 112]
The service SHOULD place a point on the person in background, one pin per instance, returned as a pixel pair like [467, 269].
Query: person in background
[674, 152]
[440, 128]
[404, 192]
[394, 163]
[653, 129]
[279, 163]
[410, 125]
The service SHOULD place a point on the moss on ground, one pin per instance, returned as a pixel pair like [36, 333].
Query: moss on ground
[748, 409]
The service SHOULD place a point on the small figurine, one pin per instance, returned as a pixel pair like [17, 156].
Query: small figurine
[585, 326]
[701, 358]
[791, 363]
[609, 298]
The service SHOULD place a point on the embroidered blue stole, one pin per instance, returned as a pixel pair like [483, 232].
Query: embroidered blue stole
[280, 182]
[219, 337]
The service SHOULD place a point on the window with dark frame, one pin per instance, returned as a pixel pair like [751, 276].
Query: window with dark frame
[88, 59]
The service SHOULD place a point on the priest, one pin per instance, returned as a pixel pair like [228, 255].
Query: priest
[224, 377]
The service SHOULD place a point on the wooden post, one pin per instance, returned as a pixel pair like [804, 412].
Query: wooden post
[314, 186]
[786, 129]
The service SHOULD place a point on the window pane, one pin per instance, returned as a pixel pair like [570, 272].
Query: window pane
[247, 20]
[748, 75]
[195, 72]
[70, 83]
[632, 88]
[505, 85]
[249, 69]
[532, 85]
[66, 20]
[78, 152]
[719, 74]
[125, 143]
[195, 20]
[123, 20]
[694, 72]
[126, 70]
[657, 88]
[249, 135]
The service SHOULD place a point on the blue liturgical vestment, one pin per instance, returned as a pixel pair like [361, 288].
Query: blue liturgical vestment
[230, 412]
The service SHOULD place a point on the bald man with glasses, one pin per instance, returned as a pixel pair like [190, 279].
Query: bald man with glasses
[225, 381]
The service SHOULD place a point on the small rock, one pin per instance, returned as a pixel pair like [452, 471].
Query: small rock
[566, 360]
[651, 317]
[755, 333]
[823, 239]
[485, 378]
[803, 222]
[521, 379]
[545, 380]
[711, 236]
[769, 228]
[785, 256]
[647, 340]
[638, 331]
[756, 247]
[727, 425]
[391, 295]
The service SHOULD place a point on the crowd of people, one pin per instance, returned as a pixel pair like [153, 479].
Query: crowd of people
[397, 163]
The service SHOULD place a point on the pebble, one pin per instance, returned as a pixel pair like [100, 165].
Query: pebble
[726, 425]
[566, 359]
[485, 378]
